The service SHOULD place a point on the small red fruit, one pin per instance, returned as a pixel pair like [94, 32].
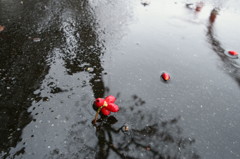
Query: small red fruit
[110, 99]
[105, 111]
[199, 7]
[165, 76]
[213, 15]
[233, 53]
[113, 107]
[2, 28]
[99, 102]
[107, 105]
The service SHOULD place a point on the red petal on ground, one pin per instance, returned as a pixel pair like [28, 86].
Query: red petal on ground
[233, 53]
[112, 107]
[99, 102]
[110, 99]
[165, 76]
[105, 111]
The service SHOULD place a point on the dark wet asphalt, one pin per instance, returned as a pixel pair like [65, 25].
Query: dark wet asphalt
[56, 56]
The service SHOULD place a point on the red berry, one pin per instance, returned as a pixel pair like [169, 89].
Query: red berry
[165, 76]
[105, 111]
[199, 7]
[112, 107]
[110, 99]
[99, 102]
[2, 28]
[233, 53]
[108, 105]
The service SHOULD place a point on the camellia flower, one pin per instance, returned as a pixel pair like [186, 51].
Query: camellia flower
[107, 105]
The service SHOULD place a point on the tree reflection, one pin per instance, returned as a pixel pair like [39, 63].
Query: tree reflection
[88, 58]
[68, 26]
[22, 66]
[230, 64]
[161, 140]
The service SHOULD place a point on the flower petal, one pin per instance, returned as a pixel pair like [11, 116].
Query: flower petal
[99, 102]
[105, 111]
[110, 99]
[112, 107]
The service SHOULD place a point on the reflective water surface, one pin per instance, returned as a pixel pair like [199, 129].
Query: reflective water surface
[57, 56]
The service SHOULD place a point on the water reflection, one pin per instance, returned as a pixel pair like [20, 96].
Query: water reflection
[231, 66]
[160, 140]
[87, 58]
[156, 139]
[22, 66]
[66, 26]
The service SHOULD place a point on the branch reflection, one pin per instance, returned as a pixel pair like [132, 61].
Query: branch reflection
[130, 140]
[231, 66]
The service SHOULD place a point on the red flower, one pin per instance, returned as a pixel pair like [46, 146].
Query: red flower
[107, 105]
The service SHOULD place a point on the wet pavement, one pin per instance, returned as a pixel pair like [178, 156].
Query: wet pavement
[57, 56]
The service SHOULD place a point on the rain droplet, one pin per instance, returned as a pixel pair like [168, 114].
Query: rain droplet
[90, 69]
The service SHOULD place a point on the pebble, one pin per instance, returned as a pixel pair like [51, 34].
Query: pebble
[125, 128]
